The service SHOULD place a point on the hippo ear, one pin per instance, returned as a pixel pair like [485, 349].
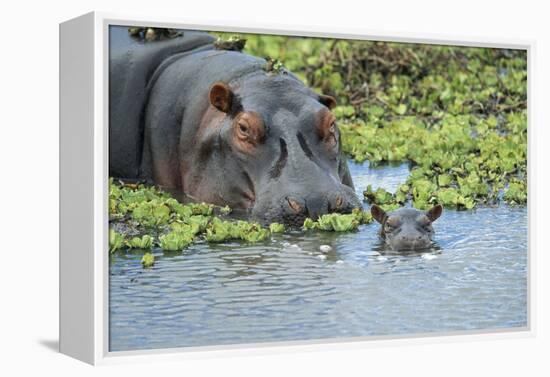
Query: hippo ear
[221, 96]
[378, 213]
[328, 101]
[434, 213]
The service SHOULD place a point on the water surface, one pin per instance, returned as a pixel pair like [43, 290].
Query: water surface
[287, 289]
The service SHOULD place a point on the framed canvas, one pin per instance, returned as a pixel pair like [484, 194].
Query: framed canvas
[242, 188]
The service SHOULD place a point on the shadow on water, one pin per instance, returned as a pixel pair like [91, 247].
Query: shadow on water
[314, 285]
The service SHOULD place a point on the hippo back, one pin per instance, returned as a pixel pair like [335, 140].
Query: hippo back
[134, 66]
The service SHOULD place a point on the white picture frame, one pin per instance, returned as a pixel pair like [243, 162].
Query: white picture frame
[84, 190]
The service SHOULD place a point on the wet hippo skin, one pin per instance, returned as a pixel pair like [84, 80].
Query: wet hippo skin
[217, 126]
[407, 228]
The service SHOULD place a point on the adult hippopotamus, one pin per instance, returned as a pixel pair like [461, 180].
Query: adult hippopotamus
[220, 127]
[407, 228]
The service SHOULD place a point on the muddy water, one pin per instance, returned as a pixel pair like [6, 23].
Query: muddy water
[287, 289]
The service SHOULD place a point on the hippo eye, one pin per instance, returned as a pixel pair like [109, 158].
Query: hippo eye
[330, 137]
[248, 131]
[243, 128]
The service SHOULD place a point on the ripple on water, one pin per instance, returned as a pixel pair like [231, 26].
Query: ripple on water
[289, 289]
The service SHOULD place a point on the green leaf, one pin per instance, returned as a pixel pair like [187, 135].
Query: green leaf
[116, 240]
[144, 242]
[401, 109]
[148, 260]
[276, 228]
[175, 240]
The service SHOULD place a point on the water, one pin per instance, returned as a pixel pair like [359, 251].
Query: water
[287, 289]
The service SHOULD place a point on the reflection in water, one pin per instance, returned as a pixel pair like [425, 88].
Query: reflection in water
[288, 289]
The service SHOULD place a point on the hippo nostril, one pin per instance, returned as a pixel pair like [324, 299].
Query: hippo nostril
[296, 207]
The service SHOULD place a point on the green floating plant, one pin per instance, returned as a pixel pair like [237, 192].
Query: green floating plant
[516, 193]
[450, 197]
[116, 240]
[338, 222]
[148, 260]
[152, 213]
[144, 242]
[252, 232]
[386, 199]
[276, 228]
[176, 240]
[220, 231]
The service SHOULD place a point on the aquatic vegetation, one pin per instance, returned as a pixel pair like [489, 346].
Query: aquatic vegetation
[203, 209]
[191, 227]
[516, 193]
[116, 240]
[252, 232]
[451, 154]
[220, 231]
[148, 260]
[276, 228]
[338, 222]
[225, 210]
[175, 240]
[144, 242]
[151, 217]
[450, 197]
[151, 213]
[333, 222]
[386, 199]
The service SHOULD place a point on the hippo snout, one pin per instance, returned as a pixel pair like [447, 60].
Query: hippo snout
[410, 242]
[315, 206]
[293, 209]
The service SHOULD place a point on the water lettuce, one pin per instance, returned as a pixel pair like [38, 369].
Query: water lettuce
[337, 222]
[175, 240]
[276, 228]
[148, 260]
[219, 231]
[151, 213]
[144, 242]
[516, 193]
[116, 240]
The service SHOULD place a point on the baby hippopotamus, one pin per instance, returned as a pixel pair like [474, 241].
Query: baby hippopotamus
[407, 228]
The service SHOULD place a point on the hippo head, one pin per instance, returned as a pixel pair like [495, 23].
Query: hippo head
[407, 228]
[277, 151]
